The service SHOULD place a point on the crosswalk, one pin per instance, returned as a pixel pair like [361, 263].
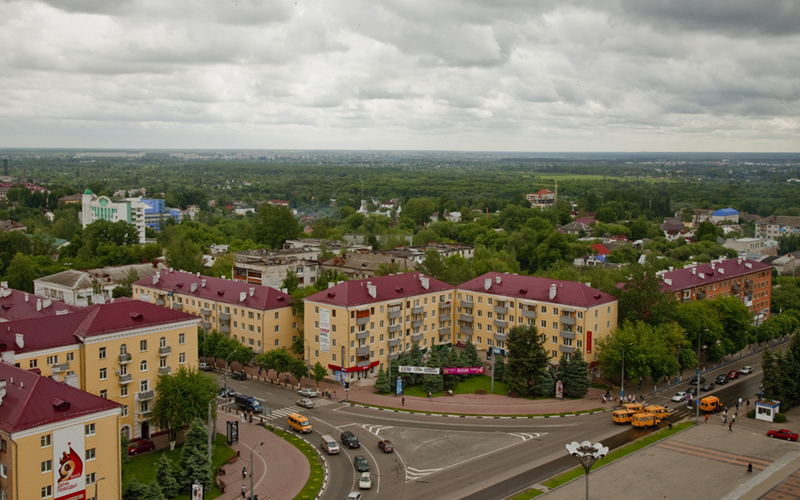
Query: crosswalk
[288, 410]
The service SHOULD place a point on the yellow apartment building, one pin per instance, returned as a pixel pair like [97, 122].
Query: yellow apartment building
[115, 351]
[56, 441]
[260, 317]
[356, 327]
[570, 316]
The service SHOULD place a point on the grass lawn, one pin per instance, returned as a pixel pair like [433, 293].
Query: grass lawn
[314, 484]
[143, 467]
[618, 453]
[527, 494]
[468, 386]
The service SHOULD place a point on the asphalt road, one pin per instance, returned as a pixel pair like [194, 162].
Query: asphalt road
[454, 458]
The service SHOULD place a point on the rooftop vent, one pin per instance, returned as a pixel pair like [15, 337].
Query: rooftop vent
[553, 291]
[60, 404]
[136, 316]
[242, 296]
[331, 295]
[487, 283]
[372, 290]
[2, 390]
[221, 293]
[252, 290]
[426, 283]
[193, 287]
[497, 280]
[523, 291]
[20, 340]
[668, 281]
[203, 283]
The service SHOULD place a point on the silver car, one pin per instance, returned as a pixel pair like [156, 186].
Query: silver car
[308, 393]
[305, 403]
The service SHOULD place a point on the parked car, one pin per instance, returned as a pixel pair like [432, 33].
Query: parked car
[365, 481]
[707, 387]
[231, 392]
[722, 379]
[693, 380]
[308, 393]
[239, 376]
[203, 367]
[386, 446]
[354, 496]
[692, 391]
[746, 370]
[783, 434]
[733, 374]
[140, 446]
[679, 396]
[361, 463]
[305, 403]
[350, 440]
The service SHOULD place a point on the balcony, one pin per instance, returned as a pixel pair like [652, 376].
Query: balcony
[701, 295]
[735, 287]
[224, 317]
[444, 331]
[444, 317]
[501, 309]
[146, 395]
[566, 348]
[465, 329]
[164, 351]
[205, 312]
[395, 342]
[160, 302]
[466, 318]
[145, 411]
[362, 335]
[362, 321]
[63, 367]
[395, 314]
[417, 337]
[468, 305]
[443, 341]
[567, 334]
[392, 357]
[500, 324]
[416, 324]
[177, 306]
[748, 283]
[500, 336]
[395, 328]
[164, 370]
[566, 320]
[125, 378]
[444, 307]
[528, 314]
[362, 351]
[361, 364]
[225, 328]
[686, 299]
[205, 325]
[417, 310]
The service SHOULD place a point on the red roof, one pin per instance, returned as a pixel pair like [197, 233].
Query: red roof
[395, 287]
[731, 268]
[544, 191]
[32, 400]
[41, 333]
[14, 306]
[600, 249]
[570, 293]
[586, 220]
[264, 298]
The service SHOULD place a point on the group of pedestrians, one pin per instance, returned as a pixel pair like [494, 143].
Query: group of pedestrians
[330, 395]
[631, 398]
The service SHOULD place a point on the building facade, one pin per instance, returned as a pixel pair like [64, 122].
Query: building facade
[56, 441]
[130, 210]
[542, 198]
[775, 226]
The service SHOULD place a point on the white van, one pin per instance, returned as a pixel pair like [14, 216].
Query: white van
[330, 445]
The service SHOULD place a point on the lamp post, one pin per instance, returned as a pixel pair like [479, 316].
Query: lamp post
[679, 363]
[697, 377]
[226, 379]
[587, 453]
[212, 428]
[622, 382]
[252, 496]
[95, 487]
[308, 377]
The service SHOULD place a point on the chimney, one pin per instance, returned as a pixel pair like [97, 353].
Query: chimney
[372, 290]
[242, 296]
[155, 279]
[713, 265]
[20, 340]
[38, 304]
[497, 280]
[203, 283]
[252, 291]
[553, 290]
[487, 284]
[702, 276]
[193, 287]
[721, 270]
[46, 303]
[425, 282]
[694, 271]
[3, 381]
[26, 297]
[668, 281]
[158, 274]
[4, 284]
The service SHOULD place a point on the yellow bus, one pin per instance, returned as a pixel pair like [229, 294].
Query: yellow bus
[622, 416]
[645, 420]
[659, 411]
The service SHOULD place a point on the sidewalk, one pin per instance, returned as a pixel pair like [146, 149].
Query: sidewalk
[280, 470]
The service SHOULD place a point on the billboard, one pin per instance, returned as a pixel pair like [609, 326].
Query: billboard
[588, 341]
[69, 475]
[325, 330]
[424, 370]
[462, 371]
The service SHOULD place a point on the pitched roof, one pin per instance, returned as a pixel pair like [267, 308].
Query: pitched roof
[571, 293]
[367, 262]
[682, 279]
[264, 298]
[41, 333]
[22, 305]
[725, 212]
[70, 278]
[396, 286]
[600, 249]
[780, 220]
[128, 314]
[32, 400]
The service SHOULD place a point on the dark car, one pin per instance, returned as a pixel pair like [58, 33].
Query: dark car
[361, 463]
[783, 434]
[239, 376]
[722, 379]
[707, 387]
[350, 439]
[386, 446]
[733, 374]
[692, 391]
[231, 392]
[693, 380]
[140, 446]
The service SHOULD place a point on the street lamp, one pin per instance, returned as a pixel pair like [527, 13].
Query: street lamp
[697, 377]
[226, 379]
[587, 453]
[252, 496]
[622, 382]
[95, 487]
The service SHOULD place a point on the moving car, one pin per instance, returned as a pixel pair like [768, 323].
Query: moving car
[733, 374]
[365, 481]
[679, 396]
[693, 380]
[305, 403]
[360, 461]
[386, 446]
[707, 387]
[231, 392]
[350, 440]
[746, 370]
[308, 393]
[354, 496]
[140, 446]
[248, 403]
[692, 391]
[722, 379]
[203, 367]
[239, 376]
[783, 434]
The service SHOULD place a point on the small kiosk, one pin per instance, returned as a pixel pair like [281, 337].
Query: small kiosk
[766, 410]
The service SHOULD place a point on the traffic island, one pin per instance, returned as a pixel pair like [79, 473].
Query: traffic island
[317, 479]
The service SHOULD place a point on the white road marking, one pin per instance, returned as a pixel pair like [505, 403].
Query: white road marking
[413, 474]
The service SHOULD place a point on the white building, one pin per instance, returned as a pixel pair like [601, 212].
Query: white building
[130, 210]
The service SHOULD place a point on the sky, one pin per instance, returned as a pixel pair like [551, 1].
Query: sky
[464, 75]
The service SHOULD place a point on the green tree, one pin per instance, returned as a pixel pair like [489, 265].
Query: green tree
[185, 255]
[641, 297]
[290, 282]
[298, 369]
[499, 368]
[274, 225]
[527, 360]
[21, 273]
[382, 382]
[166, 478]
[277, 359]
[222, 266]
[470, 356]
[319, 372]
[134, 490]
[701, 323]
[576, 376]
[125, 287]
[736, 321]
[180, 398]
[432, 383]
[153, 492]
[196, 468]
[707, 231]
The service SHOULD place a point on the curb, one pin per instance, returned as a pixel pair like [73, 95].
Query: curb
[455, 415]
[325, 462]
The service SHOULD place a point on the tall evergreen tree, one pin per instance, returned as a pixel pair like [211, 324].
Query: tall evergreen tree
[165, 477]
[195, 466]
[527, 360]
[382, 382]
[470, 355]
[134, 490]
[153, 492]
[499, 368]
[576, 377]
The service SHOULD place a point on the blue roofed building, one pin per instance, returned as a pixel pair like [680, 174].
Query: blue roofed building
[722, 214]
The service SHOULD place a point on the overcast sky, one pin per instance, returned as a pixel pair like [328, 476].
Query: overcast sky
[493, 75]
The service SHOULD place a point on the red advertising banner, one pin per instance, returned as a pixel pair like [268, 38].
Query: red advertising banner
[462, 371]
[588, 341]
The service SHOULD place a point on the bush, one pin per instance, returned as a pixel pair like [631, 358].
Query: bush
[751, 414]
[780, 418]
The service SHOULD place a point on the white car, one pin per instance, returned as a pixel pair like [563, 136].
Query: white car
[746, 370]
[679, 396]
[354, 496]
[365, 481]
[308, 393]
[305, 403]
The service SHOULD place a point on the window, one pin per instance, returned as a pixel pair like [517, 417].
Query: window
[555, 339]
[250, 328]
[142, 345]
[182, 338]
[579, 344]
[3, 471]
[70, 356]
[544, 309]
[162, 362]
[294, 325]
[479, 340]
[162, 342]
[123, 349]
[277, 328]
[33, 363]
[555, 325]
[144, 406]
[46, 440]
[104, 394]
[250, 314]
[90, 454]
[89, 429]
[277, 342]
[555, 311]
[47, 491]
[103, 373]
[144, 385]
[544, 324]
[52, 360]
[123, 391]
[235, 323]
[102, 353]
[580, 314]
[276, 315]
[143, 366]
[91, 478]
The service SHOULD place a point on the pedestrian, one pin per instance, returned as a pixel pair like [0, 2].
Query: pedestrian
[404, 400]
[730, 426]
[733, 418]
[750, 467]
[604, 399]
[244, 491]
[740, 402]
[641, 397]
[334, 395]
[251, 416]
[748, 405]
[259, 371]
[706, 417]
[242, 418]
[244, 472]
[429, 396]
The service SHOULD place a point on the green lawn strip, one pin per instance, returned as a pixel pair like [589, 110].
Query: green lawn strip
[468, 386]
[313, 485]
[617, 454]
[527, 494]
[420, 412]
[143, 467]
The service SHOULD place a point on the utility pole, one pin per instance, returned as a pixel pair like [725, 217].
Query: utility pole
[308, 383]
[211, 428]
[491, 349]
